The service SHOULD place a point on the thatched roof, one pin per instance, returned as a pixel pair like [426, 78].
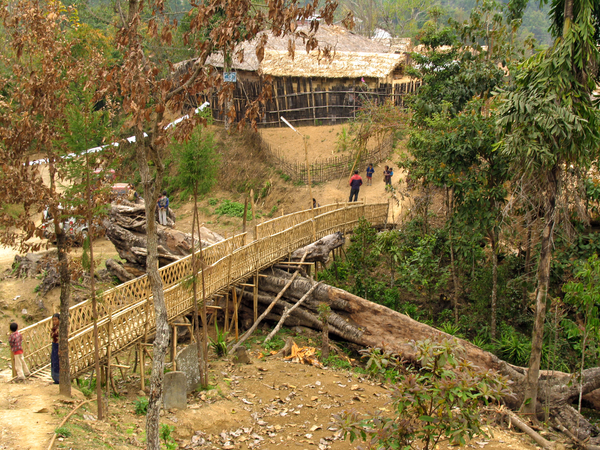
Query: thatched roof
[350, 56]
[340, 65]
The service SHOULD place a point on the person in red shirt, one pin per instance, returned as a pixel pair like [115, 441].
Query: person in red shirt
[16, 347]
[355, 184]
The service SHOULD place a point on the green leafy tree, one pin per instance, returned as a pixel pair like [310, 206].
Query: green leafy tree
[439, 400]
[584, 295]
[197, 168]
[451, 145]
[550, 122]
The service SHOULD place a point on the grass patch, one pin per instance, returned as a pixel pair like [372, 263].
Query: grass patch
[233, 209]
[63, 432]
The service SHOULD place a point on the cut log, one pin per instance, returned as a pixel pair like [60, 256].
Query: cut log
[516, 421]
[319, 250]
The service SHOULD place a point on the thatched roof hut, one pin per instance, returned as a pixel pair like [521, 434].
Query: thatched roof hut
[326, 85]
[341, 54]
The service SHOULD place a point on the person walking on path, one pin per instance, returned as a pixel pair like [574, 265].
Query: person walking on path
[16, 347]
[355, 184]
[370, 172]
[54, 361]
[163, 208]
[390, 174]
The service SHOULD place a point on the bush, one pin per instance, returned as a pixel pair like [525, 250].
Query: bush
[439, 400]
[382, 362]
[233, 209]
[219, 344]
[141, 406]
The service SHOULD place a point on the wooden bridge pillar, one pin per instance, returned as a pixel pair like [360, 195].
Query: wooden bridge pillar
[142, 366]
[174, 347]
[255, 295]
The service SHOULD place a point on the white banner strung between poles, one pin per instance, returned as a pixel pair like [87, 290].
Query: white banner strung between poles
[130, 139]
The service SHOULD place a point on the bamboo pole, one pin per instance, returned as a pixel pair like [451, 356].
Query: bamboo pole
[245, 214]
[248, 333]
[142, 368]
[65, 421]
[235, 314]
[288, 311]
[255, 295]
[174, 349]
[108, 356]
[226, 324]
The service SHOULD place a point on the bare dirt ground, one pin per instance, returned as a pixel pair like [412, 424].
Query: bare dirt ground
[268, 404]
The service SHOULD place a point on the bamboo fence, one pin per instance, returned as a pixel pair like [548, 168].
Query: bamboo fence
[126, 312]
[324, 170]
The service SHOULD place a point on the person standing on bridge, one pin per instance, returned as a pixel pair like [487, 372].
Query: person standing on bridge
[54, 361]
[355, 184]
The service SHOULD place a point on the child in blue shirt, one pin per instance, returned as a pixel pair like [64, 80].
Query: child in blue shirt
[370, 172]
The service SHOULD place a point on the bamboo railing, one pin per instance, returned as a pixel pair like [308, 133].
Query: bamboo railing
[126, 312]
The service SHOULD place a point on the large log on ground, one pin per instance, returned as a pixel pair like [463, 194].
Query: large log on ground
[319, 250]
[380, 325]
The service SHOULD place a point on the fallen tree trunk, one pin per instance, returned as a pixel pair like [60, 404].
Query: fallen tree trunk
[347, 332]
[373, 325]
[319, 250]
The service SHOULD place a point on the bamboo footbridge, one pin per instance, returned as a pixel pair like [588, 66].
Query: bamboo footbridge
[126, 312]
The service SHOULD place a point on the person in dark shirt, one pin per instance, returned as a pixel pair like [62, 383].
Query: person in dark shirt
[355, 184]
[370, 172]
[54, 360]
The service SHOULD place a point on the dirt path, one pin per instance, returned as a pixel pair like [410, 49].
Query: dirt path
[26, 419]
[269, 404]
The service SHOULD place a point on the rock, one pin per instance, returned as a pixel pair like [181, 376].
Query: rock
[187, 362]
[141, 393]
[241, 356]
[175, 391]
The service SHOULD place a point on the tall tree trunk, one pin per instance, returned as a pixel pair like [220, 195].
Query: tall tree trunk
[202, 355]
[568, 16]
[494, 236]
[455, 284]
[65, 300]
[161, 341]
[543, 277]
[89, 218]
[527, 269]
[195, 266]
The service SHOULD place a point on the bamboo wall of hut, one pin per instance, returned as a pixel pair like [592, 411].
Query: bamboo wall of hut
[304, 101]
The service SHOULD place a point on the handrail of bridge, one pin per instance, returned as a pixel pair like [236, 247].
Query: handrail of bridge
[125, 322]
[36, 336]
